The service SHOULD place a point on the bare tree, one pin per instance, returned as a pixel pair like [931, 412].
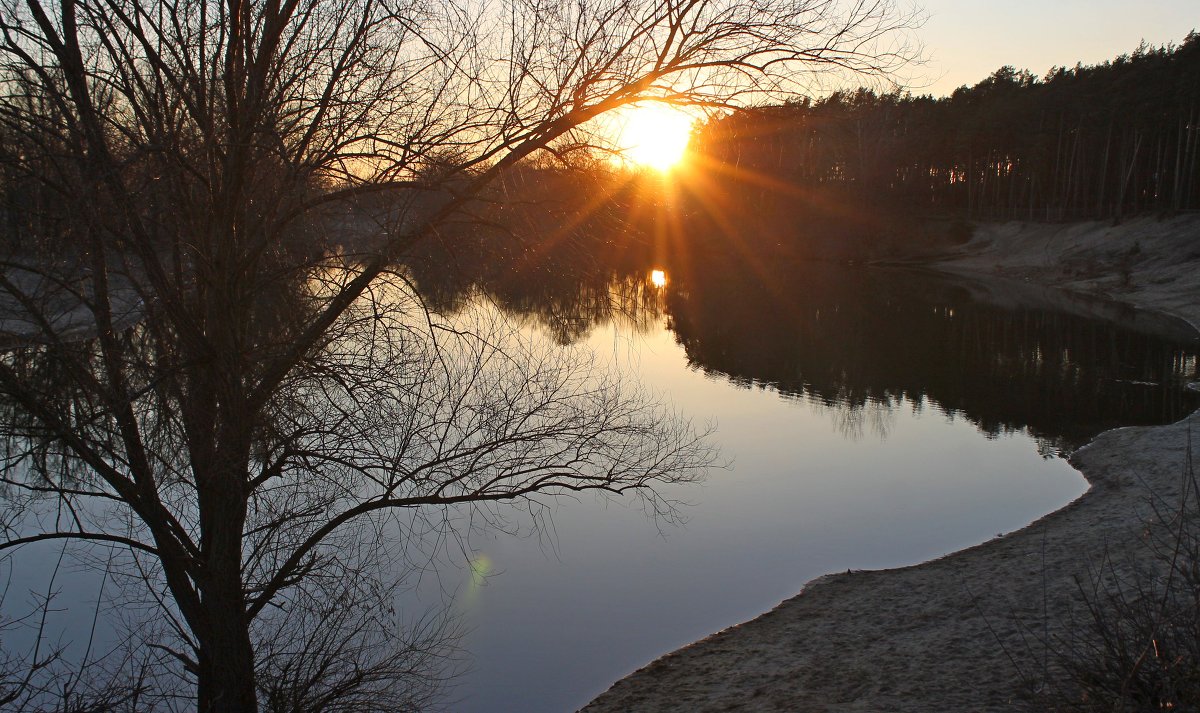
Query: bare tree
[202, 377]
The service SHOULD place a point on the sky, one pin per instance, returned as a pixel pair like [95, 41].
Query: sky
[966, 40]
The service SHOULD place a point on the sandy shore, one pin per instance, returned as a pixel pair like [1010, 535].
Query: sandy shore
[963, 632]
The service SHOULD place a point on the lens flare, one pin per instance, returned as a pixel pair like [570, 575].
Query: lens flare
[481, 567]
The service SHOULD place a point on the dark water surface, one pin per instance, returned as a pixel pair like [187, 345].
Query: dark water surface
[871, 418]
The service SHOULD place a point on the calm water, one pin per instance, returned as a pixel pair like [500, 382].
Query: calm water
[871, 418]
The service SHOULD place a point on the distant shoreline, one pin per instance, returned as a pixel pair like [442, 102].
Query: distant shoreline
[958, 632]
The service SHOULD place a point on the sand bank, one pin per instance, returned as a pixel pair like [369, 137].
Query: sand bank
[961, 632]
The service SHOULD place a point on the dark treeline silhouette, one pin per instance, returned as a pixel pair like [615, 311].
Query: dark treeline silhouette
[1085, 142]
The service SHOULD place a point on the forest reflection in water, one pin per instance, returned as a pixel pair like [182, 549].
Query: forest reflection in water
[864, 341]
[952, 398]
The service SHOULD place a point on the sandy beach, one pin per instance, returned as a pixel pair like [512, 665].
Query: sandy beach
[965, 632]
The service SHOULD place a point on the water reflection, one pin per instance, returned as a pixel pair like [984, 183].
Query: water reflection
[867, 341]
[910, 368]
[864, 342]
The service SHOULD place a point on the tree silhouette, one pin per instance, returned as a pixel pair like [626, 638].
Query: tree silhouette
[202, 373]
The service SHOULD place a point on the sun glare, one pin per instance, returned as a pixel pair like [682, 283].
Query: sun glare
[656, 135]
[658, 278]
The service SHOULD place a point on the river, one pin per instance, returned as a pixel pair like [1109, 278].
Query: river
[868, 418]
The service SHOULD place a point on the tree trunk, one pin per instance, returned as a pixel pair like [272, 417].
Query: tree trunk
[1177, 177]
[1127, 174]
[1100, 212]
[1192, 173]
[225, 681]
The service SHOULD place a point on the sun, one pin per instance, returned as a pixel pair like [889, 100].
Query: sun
[655, 135]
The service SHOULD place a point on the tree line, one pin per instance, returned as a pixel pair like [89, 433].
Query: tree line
[1086, 142]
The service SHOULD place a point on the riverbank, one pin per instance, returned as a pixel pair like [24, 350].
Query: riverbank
[962, 632]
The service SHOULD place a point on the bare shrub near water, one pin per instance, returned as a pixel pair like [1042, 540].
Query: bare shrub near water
[1135, 645]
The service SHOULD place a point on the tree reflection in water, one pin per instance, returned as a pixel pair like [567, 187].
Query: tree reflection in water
[859, 341]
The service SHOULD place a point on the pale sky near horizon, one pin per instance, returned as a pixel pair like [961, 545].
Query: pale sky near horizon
[966, 40]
